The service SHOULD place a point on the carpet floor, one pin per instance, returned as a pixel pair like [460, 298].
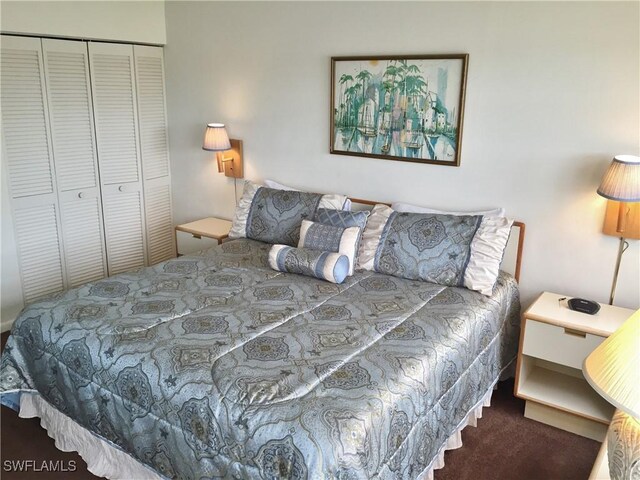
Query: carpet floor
[505, 445]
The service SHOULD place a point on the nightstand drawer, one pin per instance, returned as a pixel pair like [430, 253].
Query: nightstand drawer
[190, 243]
[557, 344]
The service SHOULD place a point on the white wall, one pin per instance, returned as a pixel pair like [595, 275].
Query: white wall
[552, 95]
[133, 21]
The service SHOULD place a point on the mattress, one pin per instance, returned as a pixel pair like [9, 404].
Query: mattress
[213, 365]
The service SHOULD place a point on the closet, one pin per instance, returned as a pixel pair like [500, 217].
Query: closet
[84, 145]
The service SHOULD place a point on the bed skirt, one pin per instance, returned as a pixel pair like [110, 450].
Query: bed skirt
[455, 440]
[107, 460]
[103, 458]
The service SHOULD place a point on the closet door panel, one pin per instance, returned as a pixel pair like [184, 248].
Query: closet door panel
[27, 156]
[124, 226]
[81, 216]
[154, 147]
[37, 236]
[152, 111]
[112, 80]
[25, 130]
[71, 114]
[116, 117]
[74, 152]
[160, 233]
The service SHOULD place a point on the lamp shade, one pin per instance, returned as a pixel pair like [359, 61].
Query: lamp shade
[613, 368]
[621, 181]
[216, 138]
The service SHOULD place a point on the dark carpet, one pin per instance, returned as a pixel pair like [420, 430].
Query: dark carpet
[505, 445]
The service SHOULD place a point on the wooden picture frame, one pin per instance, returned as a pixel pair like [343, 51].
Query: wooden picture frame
[401, 107]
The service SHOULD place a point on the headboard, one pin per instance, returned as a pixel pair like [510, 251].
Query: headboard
[512, 261]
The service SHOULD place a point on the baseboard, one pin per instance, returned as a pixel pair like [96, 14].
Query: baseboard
[6, 323]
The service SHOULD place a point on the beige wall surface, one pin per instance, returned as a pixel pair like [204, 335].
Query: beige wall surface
[552, 95]
[126, 21]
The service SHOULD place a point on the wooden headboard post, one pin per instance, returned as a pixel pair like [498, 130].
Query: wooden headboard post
[522, 228]
[519, 225]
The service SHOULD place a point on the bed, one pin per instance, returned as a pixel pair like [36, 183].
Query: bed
[216, 366]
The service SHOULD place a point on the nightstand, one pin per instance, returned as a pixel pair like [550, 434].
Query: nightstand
[554, 341]
[201, 234]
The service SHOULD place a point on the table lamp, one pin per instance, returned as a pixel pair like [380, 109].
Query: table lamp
[621, 186]
[613, 370]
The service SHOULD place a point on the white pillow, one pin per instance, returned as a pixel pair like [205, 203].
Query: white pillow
[407, 207]
[279, 186]
[487, 250]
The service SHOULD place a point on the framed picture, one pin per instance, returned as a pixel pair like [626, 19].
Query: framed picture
[407, 108]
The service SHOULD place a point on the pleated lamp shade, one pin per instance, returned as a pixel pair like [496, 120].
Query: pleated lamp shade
[613, 368]
[216, 138]
[621, 181]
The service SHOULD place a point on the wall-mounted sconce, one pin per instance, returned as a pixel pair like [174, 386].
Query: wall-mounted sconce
[229, 151]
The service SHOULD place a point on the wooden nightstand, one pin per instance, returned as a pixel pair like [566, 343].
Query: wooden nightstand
[554, 341]
[201, 234]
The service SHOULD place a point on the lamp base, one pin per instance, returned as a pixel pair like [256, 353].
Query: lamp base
[624, 447]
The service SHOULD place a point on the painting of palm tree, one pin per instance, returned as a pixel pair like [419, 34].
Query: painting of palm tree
[406, 108]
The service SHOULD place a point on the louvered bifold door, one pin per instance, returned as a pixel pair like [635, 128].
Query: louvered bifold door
[26, 152]
[116, 121]
[152, 120]
[66, 66]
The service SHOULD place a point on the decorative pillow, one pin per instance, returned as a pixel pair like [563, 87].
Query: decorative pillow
[342, 218]
[407, 207]
[318, 236]
[452, 250]
[279, 186]
[420, 246]
[487, 251]
[274, 216]
[329, 266]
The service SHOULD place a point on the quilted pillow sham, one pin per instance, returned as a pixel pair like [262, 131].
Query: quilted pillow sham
[280, 186]
[274, 216]
[330, 238]
[342, 218]
[451, 250]
[330, 266]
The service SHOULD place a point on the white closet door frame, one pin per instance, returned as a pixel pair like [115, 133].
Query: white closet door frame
[20, 202]
[155, 180]
[114, 189]
[83, 244]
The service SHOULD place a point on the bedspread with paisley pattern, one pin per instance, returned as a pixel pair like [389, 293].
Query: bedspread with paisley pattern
[215, 366]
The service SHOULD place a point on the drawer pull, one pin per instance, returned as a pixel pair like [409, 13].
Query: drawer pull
[196, 236]
[121, 188]
[575, 333]
[81, 195]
